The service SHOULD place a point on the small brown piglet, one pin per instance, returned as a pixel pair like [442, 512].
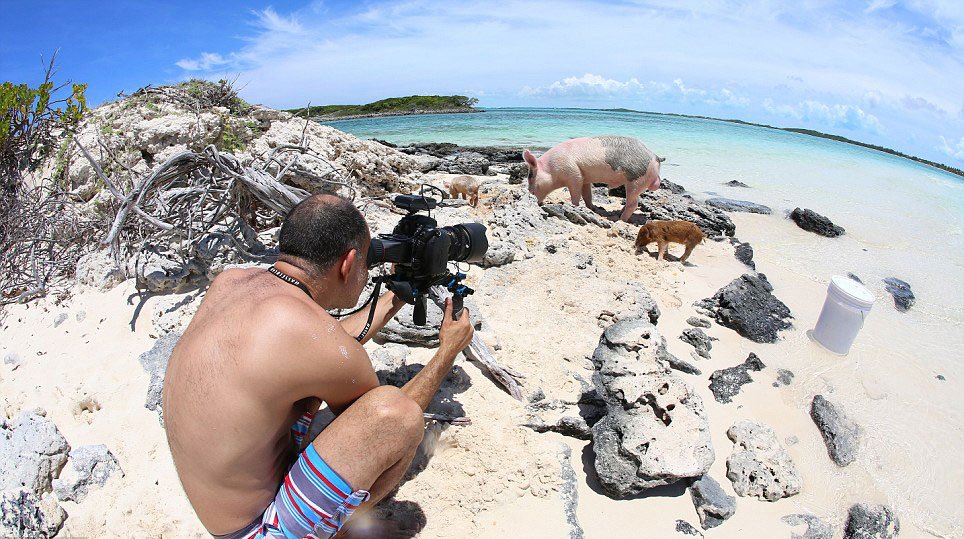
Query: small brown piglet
[466, 186]
[664, 232]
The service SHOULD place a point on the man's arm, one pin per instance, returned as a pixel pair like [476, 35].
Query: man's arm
[454, 336]
[387, 307]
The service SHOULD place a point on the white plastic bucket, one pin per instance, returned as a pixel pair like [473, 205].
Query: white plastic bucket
[844, 311]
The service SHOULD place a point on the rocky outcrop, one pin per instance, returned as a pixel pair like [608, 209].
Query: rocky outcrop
[655, 431]
[90, 466]
[687, 529]
[903, 296]
[726, 383]
[812, 221]
[472, 163]
[32, 453]
[748, 306]
[154, 361]
[713, 505]
[517, 226]
[744, 253]
[759, 466]
[736, 183]
[816, 528]
[699, 340]
[839, 432]
[871, 522]
[665, 205]
[578, 215]
[98, 269]
[518, 173]
[25, 515]
[698, 322]
[729, 204]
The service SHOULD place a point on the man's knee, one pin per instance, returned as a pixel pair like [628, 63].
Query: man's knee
[391, 406]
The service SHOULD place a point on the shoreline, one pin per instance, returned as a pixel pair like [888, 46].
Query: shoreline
[387, 114]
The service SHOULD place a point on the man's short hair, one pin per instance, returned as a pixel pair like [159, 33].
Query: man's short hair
[320, 229]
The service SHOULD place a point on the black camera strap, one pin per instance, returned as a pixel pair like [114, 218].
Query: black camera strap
[289, 279]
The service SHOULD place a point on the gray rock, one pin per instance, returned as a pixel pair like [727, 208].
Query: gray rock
[498, 254]
[664, 205]
[686, 528]
[90, 466]
[729, 204]
[784, 378]
[854, 277]
[572, 426]
[713, 505]
[24, 515]
[390, 356]
[678, 364]
[748, 306]
[472, 163]
[99, 269]
[726, 383]
[736, 183]
[655, 431]
[517, 225]
[569, 491]
[816, 528]
[402, 328]
[61, 318]
[643, 305]
[162, 271]
[579, 215]
[425, 163]
[518, 173]
[154, 361]
[32, 453]
[759, 466]
[699, 340]
[812, 221]
[903, 296]
[744, 253]
[698, 322]
[871, 522]
[840, 433]
[941, 377]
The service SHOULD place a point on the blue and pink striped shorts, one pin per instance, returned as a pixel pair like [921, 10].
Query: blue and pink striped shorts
[312, 503]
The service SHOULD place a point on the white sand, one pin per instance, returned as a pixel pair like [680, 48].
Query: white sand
[495, 479]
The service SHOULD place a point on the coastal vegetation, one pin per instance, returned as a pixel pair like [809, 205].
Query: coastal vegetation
[413, 104]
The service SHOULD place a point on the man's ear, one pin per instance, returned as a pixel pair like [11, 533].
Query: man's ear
[348, 262]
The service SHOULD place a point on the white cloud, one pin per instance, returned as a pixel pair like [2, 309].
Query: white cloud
[206, 62]
[833, 115]
[592, 86]
[956, 151]
[272, 22]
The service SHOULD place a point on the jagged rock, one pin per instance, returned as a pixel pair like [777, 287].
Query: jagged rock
[90, 466]
[726, 383]
[713, 505]
[582, 260]
[24, 515]
[840, 433]
[517, 226]
[736, 183]
[812, 221]
[699, 340]
[729, 204]
[643, 305]
[748, 306]
[99, 269]
[664, 205]
[744, 253]
[154, 361]
[173, 313]
[518, 173]
[759, 466]
[941, 377]
[816, 528]
[472, 163]
[655, 431]
[903, 296]
[784, 378]
[390, 356]
[575, 427]
[678, 364]
[686, 528]
[871, 522]
[579, 215]
[162, 271]
[698, 322]
[32, 453]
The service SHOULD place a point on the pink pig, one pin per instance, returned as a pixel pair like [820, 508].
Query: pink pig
[577, 163]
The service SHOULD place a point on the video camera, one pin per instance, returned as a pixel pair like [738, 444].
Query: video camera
[421, 251]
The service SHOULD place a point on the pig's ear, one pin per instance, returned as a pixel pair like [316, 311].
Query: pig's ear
[660, 159]
[529, 159]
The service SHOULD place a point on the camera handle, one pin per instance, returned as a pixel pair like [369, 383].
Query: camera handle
[459, 291]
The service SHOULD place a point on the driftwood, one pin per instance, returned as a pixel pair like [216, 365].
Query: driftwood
[478, 351]
[452, 420]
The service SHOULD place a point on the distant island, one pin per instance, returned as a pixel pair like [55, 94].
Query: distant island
[393, 106]
[810, 132]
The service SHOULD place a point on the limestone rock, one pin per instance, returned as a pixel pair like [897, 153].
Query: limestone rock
[32, 453]
[90, 466]
[748, 306]
[698, 322]
[678, 364]
[726, 383]
[903, 296]
[699, 340]
[871, 522]
[154, 361]
[744, 253]
[812, 221]
[759, 466]
[713, 505]
[655, 431]
[24, 515]
[839, 432]
[784, 378]
[729, 204]
[665, 205]
[687, 529]
[816, 528]
[471, 163]
[99, 269]
[578, 215]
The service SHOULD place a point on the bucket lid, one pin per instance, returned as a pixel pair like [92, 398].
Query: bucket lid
[852, 290]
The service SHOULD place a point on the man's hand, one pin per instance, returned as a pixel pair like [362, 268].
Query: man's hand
[455, 335]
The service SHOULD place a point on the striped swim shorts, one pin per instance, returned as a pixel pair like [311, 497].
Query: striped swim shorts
[313, 502]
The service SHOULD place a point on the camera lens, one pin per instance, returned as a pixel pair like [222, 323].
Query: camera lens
[469, 243]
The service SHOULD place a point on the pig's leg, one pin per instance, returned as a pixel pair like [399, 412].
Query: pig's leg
[587, 195]
[662, 249]
[686, 253]
[474, 200]
[574, 195]
[633, 190]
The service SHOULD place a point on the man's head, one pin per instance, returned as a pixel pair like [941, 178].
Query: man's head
[327, 237]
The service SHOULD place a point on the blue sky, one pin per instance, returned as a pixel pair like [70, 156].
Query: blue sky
[879, 71]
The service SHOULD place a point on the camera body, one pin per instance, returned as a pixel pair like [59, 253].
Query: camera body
[421, 252]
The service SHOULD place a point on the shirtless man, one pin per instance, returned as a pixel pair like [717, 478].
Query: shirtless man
[257, 360]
